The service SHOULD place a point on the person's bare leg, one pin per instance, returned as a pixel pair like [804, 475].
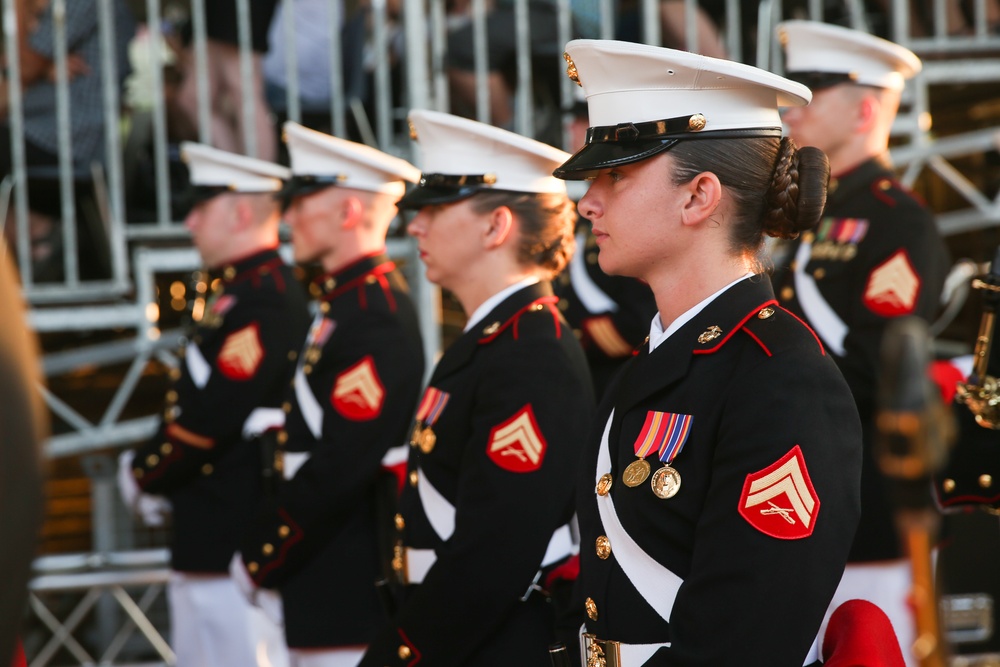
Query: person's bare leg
[672, 15]
[463, 87]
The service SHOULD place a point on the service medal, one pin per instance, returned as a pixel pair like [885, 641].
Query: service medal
[636, 473]
[427, 440]
[666, 482]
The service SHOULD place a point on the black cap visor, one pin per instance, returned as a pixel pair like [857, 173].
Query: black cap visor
[617, 145]
[820, 80]
[590, 159]
[434, 189]
[300, 186]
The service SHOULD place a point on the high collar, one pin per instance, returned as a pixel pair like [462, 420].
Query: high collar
[848, 184]
[331, 285]
[244, 268]
[462, 350]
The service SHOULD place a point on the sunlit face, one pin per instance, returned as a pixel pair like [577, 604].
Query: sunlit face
[210, 224]
[826, 122]
[449, 240]
[308, 217]
[631, 209]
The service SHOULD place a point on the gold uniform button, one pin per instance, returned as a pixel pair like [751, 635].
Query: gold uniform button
[207, 469]
[282, 437]
[787, 293]
[604, 484]
[819, 273]
[286, 407]
[404, 652]
[252, 568]
[398, 520]
[808, 237]
[166, 448]
[591, 258]
[283, 531]
[324, 308]
[307, 369]
[267, 549]
[563, 305]
[152, 460]
[603, 547]
[175, 373]
[591, 607]
[414, 477]
[765, 313]
[137, 473]
[948, 485]
[171, 396]
[985, 481]
[884, 184]
[292, 355]
[229, 273]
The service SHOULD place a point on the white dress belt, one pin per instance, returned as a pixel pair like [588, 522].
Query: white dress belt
[199, 369]
[441, 515]
[821, 316]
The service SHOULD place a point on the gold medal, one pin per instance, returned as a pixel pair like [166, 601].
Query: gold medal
[665, 482]
[418, 431]
[636, 473]
[427, 440]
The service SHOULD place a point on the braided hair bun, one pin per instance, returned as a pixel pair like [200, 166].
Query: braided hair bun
[797, 194]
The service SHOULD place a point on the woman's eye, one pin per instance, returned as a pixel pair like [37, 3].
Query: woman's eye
[615, 176]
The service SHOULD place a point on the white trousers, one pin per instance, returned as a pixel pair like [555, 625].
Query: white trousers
[340, 657]
[886, 584]
[213, 625]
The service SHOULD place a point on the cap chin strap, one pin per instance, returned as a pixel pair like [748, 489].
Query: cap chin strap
[681, 127]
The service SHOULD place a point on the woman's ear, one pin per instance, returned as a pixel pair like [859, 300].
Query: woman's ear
[501, 224]
[703, 196]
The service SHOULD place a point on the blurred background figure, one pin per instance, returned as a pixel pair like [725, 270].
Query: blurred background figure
[211, 451]
[875, 256]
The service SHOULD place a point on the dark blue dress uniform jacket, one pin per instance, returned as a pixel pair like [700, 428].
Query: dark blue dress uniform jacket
[875, 255]
[200, 458]
[356, 382]
[756, 576]
[519, 365]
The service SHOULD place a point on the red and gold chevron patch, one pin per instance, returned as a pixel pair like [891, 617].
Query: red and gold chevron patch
[893, 287]
[241, 353]
[517, 444]
[604, 333]
[780, 500]
[358, 392]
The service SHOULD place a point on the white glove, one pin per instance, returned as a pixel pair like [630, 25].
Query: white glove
[127, 486]
[267, 600]
[153, 510]
[240, 576]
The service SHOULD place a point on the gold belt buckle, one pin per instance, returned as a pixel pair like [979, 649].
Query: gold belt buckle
[601, 652]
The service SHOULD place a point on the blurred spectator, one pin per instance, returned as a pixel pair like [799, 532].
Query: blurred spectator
[224, 79]
[36, 52]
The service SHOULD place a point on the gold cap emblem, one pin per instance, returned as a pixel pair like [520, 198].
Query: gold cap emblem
[697, 122]
[489, 179]
[709, 334]
[571, 72]
[491, 329]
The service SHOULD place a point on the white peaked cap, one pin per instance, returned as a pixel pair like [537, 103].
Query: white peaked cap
[353, 165]
[211, 167]
[625, 82]
[814, 47]
[457, 146]
[628, 85]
